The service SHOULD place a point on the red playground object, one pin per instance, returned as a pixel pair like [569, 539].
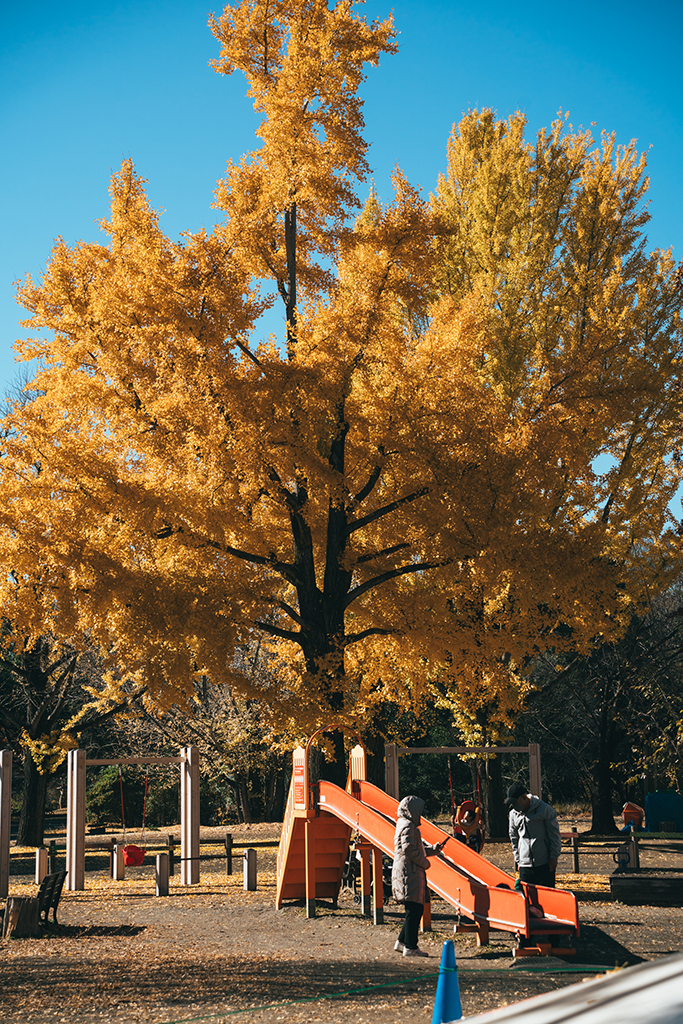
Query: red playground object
[633, 815]
[133, 856]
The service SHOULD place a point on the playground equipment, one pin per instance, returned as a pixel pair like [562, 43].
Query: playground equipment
[5, 818]
[320, 820]
[77, 763]
[633, 816]
[133, 856]
[664, 811]
[392, 752]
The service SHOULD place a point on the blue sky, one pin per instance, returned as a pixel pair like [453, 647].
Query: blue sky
[85, 86]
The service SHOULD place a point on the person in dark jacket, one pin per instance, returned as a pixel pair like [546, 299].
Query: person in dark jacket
[408, 875]
[535, 836]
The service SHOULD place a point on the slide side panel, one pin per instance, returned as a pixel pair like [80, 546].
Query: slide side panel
[469, 882]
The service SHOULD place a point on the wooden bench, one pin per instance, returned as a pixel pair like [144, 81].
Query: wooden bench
[49, 895]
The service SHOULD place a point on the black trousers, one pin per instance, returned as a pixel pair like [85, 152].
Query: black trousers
[541, 875]
[411, 925]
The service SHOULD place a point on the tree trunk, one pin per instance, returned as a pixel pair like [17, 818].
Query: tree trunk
[275, 795]
[374, 743]
[335, 771]
[32, 819]
[602, 822]
[495, 815]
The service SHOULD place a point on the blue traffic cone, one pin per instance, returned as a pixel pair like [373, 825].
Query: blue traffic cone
[447, 1005]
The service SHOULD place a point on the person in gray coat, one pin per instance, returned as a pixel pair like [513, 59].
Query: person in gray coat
[408, 877]
[535, 836]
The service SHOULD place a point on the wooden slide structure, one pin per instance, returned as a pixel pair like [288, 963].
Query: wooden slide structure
[320, 821]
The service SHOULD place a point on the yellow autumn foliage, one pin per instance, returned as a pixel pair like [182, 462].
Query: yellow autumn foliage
[460, 454]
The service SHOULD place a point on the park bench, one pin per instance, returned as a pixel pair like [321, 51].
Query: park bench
[23, 915]
[49, 895]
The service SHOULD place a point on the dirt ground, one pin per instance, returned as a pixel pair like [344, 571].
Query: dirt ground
[214, 952]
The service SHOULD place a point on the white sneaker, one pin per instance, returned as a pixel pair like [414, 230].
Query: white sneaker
[414, 952]
[398, 946]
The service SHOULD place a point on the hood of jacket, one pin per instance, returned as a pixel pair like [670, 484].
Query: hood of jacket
[411, 807]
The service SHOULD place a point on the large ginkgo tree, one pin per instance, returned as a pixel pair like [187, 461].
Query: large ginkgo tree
[458, 452]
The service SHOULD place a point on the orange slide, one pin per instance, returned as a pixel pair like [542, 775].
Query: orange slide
[480, 891]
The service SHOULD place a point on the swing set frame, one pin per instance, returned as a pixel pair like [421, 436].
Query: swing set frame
[392, 752]
[78, 762]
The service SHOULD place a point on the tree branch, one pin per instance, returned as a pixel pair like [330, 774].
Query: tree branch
[248, 353]
[379, 513]
[353, 638]
[392, 574]
[290, 611]
[288, 572]
[380, 554]
[370, 483]
[13, 668]
[284, 634]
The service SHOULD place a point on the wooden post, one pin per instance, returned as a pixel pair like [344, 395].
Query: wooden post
[41, 864]
[535, 784]
[310, 866]
[52, 858]
[162, 874]
[249, 870]
[228, 853]
[365, 895]
[75, 821]
[575, 849]
[119, 866]
[189, 815]
[5, 818]
[358, 763]
[170, 842]
[391, 769]
[482, 933]
[634, 854]
[377, 887]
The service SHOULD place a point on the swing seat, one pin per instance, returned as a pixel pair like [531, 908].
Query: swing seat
[133, 856]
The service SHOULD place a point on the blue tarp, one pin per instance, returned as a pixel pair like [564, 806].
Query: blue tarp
[663, 805]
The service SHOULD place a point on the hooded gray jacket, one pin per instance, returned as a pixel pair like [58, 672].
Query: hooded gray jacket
[408, 878]
[535, 835]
